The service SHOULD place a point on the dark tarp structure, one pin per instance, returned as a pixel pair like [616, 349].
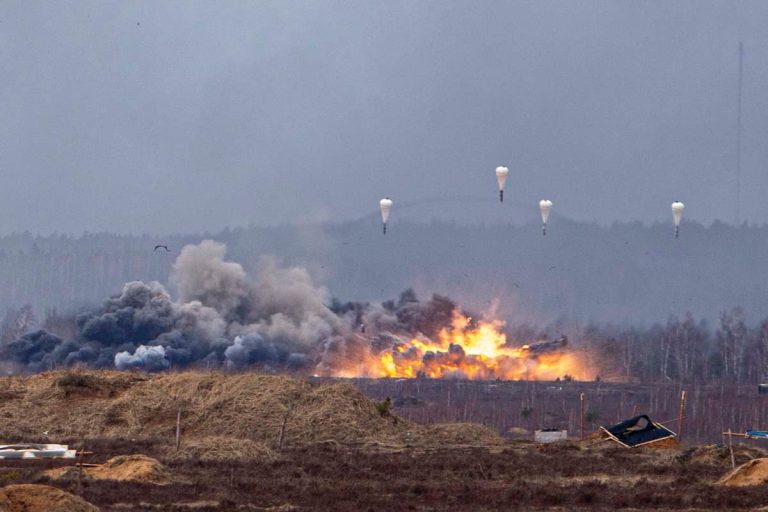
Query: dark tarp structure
[637, 431]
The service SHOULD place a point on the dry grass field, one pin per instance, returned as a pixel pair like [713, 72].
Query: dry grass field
[338, 452]
[328, 476]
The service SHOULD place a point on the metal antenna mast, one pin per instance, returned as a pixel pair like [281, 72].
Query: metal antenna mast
[738, 138]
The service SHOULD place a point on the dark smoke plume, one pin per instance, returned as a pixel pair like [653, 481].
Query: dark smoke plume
[222, 318]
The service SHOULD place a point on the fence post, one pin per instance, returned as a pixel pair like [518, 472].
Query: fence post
[730, 448]
[682, 416]
[178, 429]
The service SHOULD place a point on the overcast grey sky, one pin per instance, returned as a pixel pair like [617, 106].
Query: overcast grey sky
[181, 116]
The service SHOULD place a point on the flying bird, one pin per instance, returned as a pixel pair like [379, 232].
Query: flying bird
[162, 247]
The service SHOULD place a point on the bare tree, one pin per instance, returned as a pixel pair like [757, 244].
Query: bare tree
[689, 347]
[17, 322]
[732, 340]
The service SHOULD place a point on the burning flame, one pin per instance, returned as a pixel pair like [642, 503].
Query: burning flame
[474, 351]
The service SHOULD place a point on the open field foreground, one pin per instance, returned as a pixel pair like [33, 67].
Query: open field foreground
[256, 442]
[711, 409]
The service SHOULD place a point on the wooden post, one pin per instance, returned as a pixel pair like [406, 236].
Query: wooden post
[730, 448]
[178, 429]
[80, 474]
[581, 416]
[682, 416]
[282, 429]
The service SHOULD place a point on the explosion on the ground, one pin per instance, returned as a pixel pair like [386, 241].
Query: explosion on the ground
[465, 349]
[282, 321]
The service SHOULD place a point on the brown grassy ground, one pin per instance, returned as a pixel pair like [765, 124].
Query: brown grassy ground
[91, 404]
[517, 476]
[33, 498]
[339, 452]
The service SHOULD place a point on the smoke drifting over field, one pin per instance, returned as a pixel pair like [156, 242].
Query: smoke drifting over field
[280, 318]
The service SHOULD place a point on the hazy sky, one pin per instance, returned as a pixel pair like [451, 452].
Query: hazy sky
[181, 116]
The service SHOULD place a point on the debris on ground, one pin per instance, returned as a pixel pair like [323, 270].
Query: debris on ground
[41, 498]
[550, 435]
[36, 451]
[668, 443]
[637, 431]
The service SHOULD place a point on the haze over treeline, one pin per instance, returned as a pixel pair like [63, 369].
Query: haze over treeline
[638, 304]
[624, 274]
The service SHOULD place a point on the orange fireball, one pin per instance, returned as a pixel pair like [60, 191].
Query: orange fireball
[474, 351]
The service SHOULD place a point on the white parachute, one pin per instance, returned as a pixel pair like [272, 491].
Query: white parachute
[386, 206]
[677, 215]
[545, 206]
[501, 179]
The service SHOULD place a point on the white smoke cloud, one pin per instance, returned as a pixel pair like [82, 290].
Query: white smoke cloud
[149, 358]
[281, 304]
[201, 274]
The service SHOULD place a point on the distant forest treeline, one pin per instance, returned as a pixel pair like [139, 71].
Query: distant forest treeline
[623, 274]
[657, 307]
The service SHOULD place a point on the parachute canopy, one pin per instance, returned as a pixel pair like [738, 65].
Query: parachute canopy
[545, 205]
[386, 206]
[677, 212]
[501, 178]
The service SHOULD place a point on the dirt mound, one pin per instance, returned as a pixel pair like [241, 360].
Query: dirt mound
[90, 404]
[754, 472]
[133, 468]
[225, 449]
[720, 455]
[5, 504]
[447, 434]
[124, 468]
[244, 406]
[519, 432]
[41, 498]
